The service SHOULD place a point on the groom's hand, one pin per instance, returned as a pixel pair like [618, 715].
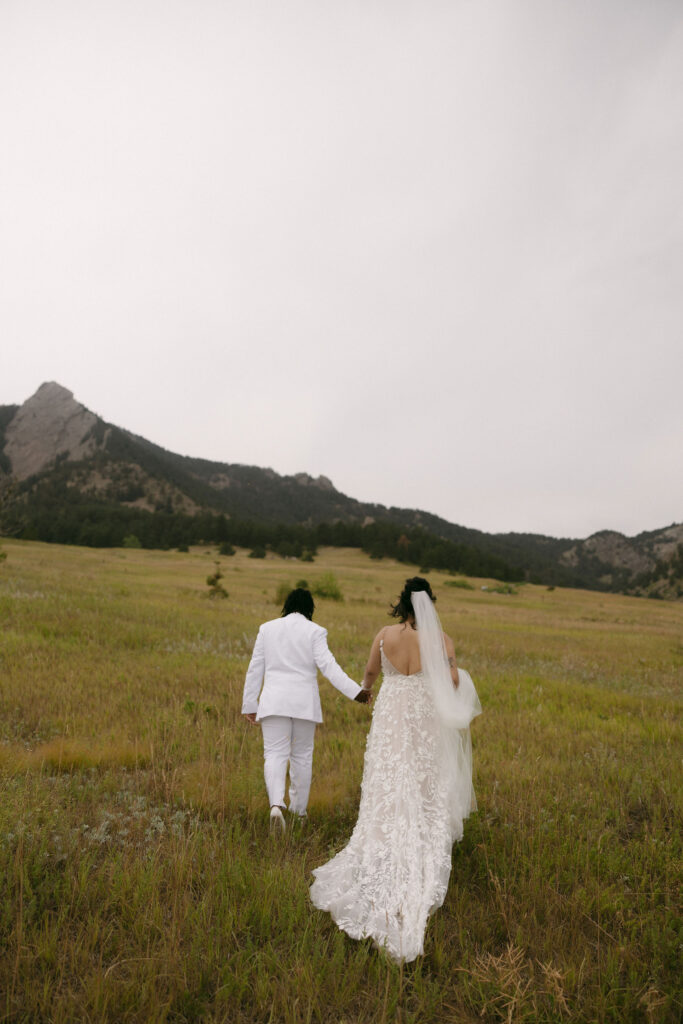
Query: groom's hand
[251, 717]
[363, 697]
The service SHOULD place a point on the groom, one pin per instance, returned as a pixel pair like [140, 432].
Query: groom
[286, 655]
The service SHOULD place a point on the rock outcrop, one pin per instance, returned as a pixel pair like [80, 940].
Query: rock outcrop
[306, 480]
[666, 542]
[51, 423]
[616, 550]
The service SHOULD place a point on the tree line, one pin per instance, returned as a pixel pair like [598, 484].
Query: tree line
[74, 520]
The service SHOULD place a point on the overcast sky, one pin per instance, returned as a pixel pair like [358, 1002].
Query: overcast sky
[432, 250]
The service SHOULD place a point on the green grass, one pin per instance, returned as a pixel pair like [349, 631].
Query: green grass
[138, 880]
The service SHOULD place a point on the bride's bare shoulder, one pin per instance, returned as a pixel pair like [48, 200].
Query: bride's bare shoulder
[389, 633]
[379, 636]
[395, 629]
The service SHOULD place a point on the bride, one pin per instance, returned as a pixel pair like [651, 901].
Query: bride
[416, 789]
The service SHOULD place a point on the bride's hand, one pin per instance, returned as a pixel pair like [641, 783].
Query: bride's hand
[363, 697]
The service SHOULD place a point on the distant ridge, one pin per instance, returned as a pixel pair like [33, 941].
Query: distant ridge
[67, 462]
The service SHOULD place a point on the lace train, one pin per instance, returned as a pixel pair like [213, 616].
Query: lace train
[414, 797]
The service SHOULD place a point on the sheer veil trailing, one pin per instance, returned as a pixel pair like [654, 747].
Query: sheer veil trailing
[455, 709]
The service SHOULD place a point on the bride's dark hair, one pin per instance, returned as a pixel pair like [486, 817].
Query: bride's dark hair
[403, 609]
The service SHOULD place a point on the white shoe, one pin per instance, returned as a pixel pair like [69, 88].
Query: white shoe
[277, 821]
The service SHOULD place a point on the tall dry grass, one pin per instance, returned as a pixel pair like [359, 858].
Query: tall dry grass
[138, 879]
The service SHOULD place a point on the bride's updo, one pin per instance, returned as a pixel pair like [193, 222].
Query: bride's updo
[403, 609]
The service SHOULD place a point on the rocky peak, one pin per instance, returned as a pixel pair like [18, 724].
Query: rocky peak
[50, 423]
[611, 548]
[306, 480]
[667, 540]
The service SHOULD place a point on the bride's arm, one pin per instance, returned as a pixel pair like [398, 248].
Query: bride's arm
[374, 665]
[450, 651]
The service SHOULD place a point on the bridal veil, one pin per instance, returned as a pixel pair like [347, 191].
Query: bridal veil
[455, 709]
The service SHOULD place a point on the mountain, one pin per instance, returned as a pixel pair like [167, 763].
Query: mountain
[79, 479]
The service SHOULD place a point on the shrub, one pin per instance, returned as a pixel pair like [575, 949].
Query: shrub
[258, 552]
[131, 541]
[307, 556]
[461, 584]
[226, 549]
[287, 549]
[213, 582]
[328, 588]
[303, 584]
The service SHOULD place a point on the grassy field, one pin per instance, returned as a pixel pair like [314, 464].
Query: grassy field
[137, 876]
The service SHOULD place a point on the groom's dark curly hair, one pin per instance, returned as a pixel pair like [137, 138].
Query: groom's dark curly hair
[299, 600]
[403, 609]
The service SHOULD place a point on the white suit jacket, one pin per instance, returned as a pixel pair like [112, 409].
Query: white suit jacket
[286, 655]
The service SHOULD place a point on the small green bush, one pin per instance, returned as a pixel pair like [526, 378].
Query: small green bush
[258, 552]
[328, 588]
[131, 541]
[460, 584]
[226, 549]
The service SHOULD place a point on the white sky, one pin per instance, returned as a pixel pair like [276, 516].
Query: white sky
[433, 250]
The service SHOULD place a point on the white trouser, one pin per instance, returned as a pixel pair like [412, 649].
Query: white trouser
[288, 740]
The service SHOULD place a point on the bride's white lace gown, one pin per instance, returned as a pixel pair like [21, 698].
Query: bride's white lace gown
[394, 871]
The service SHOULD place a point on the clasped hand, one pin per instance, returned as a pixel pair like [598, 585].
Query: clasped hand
[364, 697]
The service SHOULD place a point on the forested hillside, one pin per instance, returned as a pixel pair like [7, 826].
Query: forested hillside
[67, 476]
